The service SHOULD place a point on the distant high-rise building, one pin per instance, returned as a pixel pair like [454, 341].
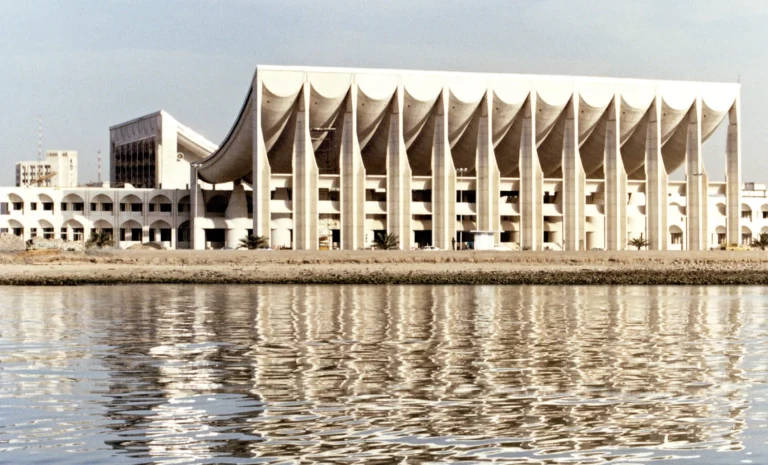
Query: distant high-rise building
[59, 169]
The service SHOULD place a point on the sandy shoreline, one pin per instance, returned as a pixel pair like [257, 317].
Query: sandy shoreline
[383, 267]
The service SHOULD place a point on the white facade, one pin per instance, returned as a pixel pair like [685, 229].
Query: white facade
[543, 161]
[58, 170]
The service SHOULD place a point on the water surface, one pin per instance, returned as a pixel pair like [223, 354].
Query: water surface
[383, 374]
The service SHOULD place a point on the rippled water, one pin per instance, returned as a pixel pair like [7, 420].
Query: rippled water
[383, 374]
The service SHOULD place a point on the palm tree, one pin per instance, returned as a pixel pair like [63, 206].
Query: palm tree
[638, 242]
[761, 241]
[386, 241]
[99, 239]
[251, 242]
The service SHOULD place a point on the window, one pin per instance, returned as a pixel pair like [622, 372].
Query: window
[136, 207]
[746, 214]
[151, 207]
[746, 239]
[4, 208]
[18, 206]
[550, 197]
[48, 206]
[465, 196]
[33, 206]
[765, 214]
[371, 195]
[93, 207]
[64, 233]
[328, 194]
[419, 195]
[136, 234]
[78, 206]
[721, 238]
[676, 238]
[511, 196]
[165, 207]
[63, 206]
[123, 207]
[107, 207]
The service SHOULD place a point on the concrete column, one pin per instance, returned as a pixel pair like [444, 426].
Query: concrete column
[398, 176]
[443, 179]
[487, 191]
[733, 174]
[656, 182]
[531, 182]
[145, 234]
[305, 174]
[352, 179]
[237, 216]
[197, 210]
[696, 183]
[262, 173]
[615, 181]
[174, 230]
[574, 181]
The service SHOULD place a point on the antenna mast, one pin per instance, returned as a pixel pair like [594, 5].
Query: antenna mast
[99, 157]
[40, 138]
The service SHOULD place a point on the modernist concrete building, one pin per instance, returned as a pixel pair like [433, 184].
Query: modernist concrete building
[541, 161]
[319, 156]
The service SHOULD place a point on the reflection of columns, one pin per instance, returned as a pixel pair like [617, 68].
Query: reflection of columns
[196, 210]
[733, 174]
[261, 171]
[696, 182]
[574, 180]
[443, 179]
[615, 182]
[236, 213]
[398, 176]
[656, 180]
[487, 191]
[304, 179]
[352, 179]
[531, 181]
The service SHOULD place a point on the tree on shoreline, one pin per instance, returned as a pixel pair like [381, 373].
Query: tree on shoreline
[638, 242]
[386, 241]
[761, 241]
[99, 239]
[252, 242]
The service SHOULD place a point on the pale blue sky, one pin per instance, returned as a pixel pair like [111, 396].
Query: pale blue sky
[87, 64]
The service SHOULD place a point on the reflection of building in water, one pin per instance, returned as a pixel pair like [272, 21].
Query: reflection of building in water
[336, 369]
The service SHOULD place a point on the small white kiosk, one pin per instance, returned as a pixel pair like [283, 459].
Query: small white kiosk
[483, 240]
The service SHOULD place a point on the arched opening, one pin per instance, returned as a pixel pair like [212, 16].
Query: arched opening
[184, 205]
[746, 212]
[72, 230]
[130, 231]
[16, 227]
[131, 203]
[676, 236]
[16, 203]
[721, 209]
[72, 203]
[721, 235]
[160, 204]
[160, 231]
[764, 211]
[101, 203]
[183, 236]
[46, 203]
[45, 230]
[746, 236]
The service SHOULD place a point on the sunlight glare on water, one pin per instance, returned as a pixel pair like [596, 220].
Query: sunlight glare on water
[383, 374]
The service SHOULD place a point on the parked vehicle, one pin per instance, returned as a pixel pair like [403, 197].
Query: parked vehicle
[430, 248]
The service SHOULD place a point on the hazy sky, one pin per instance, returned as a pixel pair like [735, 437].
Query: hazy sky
[86, 65]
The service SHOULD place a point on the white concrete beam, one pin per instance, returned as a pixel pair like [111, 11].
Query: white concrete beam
[531, 181]
[305, 173]
[574, 181]
[733, 174]
[398, 176]
[488, 176]
[656, 180]
[615, 181]
[696, 187]
[443, 179]
[262, 173]
[352, 179]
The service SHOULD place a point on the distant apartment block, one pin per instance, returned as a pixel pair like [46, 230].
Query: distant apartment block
[59, 169]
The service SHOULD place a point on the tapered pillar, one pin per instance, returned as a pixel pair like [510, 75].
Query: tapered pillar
[305, 174]
[443, 180]
[574, 181]
[197, 210]
[352, 179]
[262, 173]
[237, 216]
[531, 181]
[655, 181]
[398, 176]
[615, 181]
[733, 174]
[696, 178]
[487, 192]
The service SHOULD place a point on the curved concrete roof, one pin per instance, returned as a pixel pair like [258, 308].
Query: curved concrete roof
[280, 89]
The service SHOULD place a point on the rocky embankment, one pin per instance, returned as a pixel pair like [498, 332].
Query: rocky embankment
[383, 267]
